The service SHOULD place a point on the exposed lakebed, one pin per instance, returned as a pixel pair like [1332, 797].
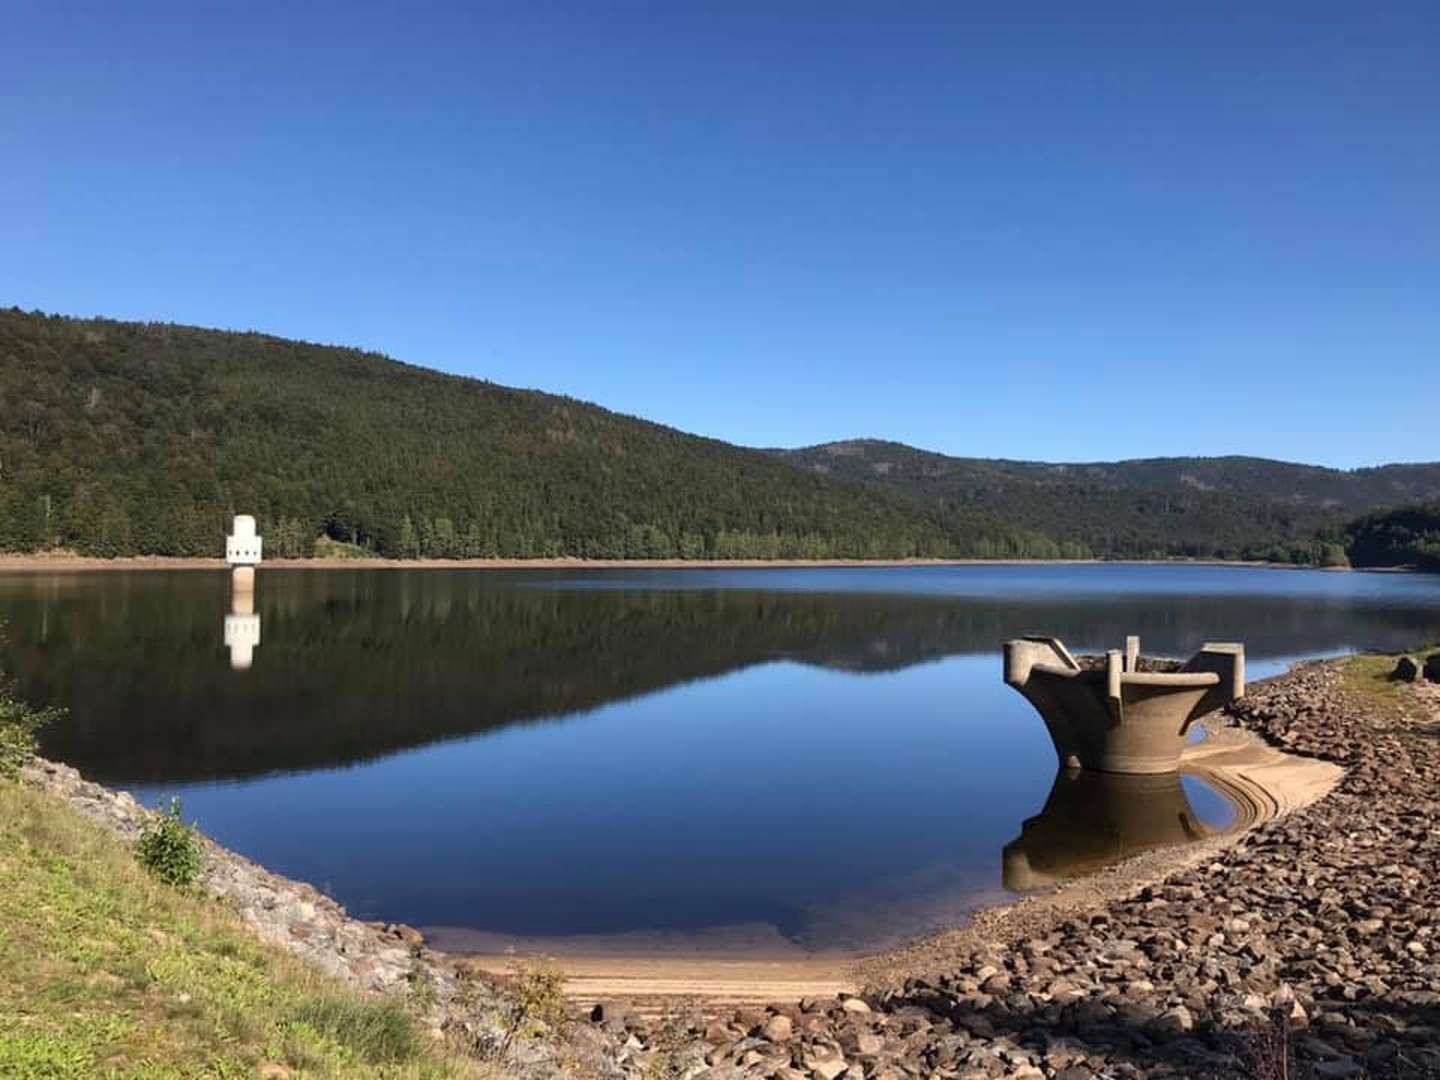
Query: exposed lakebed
[751, 759]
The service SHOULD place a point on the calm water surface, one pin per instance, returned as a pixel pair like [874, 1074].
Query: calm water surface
[827, 755]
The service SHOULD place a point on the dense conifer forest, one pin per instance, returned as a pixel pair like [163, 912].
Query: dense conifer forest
[143, 438]
[124, 438]
[1225, 507]
[1408, 536]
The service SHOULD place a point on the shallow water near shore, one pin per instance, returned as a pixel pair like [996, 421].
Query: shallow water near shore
[727, 760]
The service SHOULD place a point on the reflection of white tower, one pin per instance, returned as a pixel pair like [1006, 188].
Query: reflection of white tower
[242, 628]
[242, 625]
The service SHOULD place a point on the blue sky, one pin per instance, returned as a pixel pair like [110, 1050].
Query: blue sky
[1068, 231]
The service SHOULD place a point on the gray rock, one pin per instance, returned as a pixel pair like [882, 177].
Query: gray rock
[1341, 1067]
[826, 1064]
[1407, 669]
[778, 1029]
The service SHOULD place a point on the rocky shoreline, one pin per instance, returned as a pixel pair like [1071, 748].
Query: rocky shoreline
[1315, 934]
[1308, 947]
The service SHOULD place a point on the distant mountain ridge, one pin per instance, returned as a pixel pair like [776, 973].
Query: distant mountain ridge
[1191, 506]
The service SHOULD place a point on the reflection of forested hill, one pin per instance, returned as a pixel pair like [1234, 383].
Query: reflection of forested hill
[355, 665]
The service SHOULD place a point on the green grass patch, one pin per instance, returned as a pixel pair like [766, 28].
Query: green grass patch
[110, 973]
[326, 548]
[1366, 679]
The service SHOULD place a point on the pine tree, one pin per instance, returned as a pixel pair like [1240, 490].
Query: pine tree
[409, 540]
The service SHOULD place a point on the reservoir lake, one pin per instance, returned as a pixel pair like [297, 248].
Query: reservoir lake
[726, 760]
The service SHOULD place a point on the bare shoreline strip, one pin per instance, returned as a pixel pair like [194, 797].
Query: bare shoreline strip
[62, 562]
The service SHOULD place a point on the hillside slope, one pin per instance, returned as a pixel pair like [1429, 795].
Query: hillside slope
[1408, 536]
[120, 438]
[1223, 507]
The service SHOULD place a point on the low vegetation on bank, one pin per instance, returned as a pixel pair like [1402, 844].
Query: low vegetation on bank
[110, 971]
[114, 968]
[1409, 536]
[1369, 679]
[18, 726]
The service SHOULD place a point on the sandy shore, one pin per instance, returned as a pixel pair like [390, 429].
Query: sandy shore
[753, 964]
[63, 562]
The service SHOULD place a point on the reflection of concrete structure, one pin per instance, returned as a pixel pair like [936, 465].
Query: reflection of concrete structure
[1125, 712]
[242, 626]
[1093, 819]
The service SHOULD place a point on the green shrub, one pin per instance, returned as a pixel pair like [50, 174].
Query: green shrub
[535, 1002]
[18, 725]
[171, 849]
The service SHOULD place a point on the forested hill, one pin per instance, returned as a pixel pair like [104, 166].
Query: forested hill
[1235, 507]
[144, 438]
[119, 438]
[1409, 536]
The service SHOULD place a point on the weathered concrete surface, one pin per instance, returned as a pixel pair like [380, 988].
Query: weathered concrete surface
[1125, 713]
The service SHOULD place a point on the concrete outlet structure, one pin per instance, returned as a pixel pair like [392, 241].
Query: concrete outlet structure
[1122, 712]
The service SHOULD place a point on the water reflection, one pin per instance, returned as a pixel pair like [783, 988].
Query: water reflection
[359, 665]
[241, 632]
[1092, 819]
[803, 751]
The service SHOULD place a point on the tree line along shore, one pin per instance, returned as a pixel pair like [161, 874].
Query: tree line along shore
[70, 561]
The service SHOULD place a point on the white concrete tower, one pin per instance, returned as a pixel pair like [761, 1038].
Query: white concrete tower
[243, 550]
[243, 547]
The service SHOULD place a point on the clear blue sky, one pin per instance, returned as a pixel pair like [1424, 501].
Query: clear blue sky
[1059, 231]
